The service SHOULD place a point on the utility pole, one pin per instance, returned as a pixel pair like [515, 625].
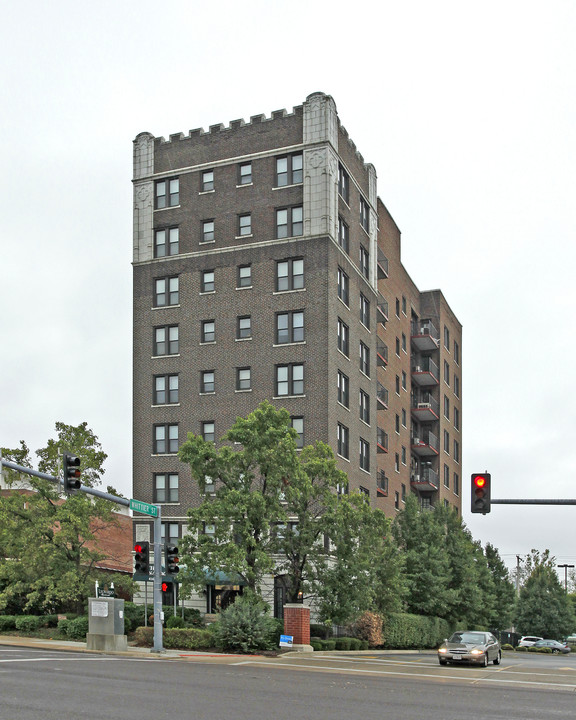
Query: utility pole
[565, 575]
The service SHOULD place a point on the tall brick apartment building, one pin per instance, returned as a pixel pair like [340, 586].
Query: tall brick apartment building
[266, 266]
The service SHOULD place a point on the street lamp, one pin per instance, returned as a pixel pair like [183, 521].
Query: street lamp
[565, 566]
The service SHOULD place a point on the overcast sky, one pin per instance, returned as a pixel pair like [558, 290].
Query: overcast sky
[467, 111]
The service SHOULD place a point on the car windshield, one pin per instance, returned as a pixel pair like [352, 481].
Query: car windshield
[467, 637]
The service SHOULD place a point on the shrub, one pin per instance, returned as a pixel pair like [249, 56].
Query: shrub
[533, 649]
[133, 616]
[342, 643]
[507, 646]
[144, 636]
[364, 645]
[63, 625]
[28, 623]
[187, 638]
[50, 621]
[175, 622]
[355, 644]
[329, 644]
[77, 628]
[369, 627]
[521, 648]
[406, 631]
[316, 644]
[244, 626]
[7, 622]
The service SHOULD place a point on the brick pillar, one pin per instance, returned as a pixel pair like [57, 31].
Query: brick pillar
[297, 624]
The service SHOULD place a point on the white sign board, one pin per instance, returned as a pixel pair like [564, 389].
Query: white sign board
[99, 609]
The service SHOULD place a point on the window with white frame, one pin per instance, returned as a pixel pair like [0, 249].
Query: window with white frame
[343, 441]
[343, 389]
[364, 448]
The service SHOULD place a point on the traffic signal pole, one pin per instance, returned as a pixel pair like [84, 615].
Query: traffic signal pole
[126, 503]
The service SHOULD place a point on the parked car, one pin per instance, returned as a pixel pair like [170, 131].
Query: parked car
[554, 645]
[529, 640]
[470, 646]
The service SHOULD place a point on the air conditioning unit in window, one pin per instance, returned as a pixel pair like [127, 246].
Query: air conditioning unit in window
[416, 441]
[424, 406]
[416, 478]
[416, 368]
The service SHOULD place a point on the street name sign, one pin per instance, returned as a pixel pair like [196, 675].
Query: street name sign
[144, 508]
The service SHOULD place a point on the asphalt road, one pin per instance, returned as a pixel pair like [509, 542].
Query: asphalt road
[48, 685]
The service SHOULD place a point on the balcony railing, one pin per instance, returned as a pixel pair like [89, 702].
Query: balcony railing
[425, 371]
[426, 479]
[381, 440]
[382, 307]
[425, 443]
[382, 262]
[382, 395]
[424, 335]
[381, 353]
[425, 408]
[382, 484]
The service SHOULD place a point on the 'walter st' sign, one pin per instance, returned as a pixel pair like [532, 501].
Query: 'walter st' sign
[143, 507]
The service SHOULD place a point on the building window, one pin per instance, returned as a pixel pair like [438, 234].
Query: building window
[364, 214]
[364, 261]
[207, 181]
[398, 346]
[167, 193]
[290, 379]
[208, 331]
[365, 407]
[343, 338]
[456, 484]
[456, 386]
[166, 341]
[243, 378]
[165, 389]
[343, 286]
[290, 274]
[166, 242]
[170, 533]
[207, 381]
[207, 231]
[290, 327]
[244, 327]
[289, 222]
[289, 170]
[245, 174]
[446, 408]
[343, 236]
[456, 353]
[397, 424]
[446, 338]
[343, 389]
[397, 308]
[404, 380]
[403, 493]
[446, 442]
[457, 418]
[403, 417]
[343, 441]
[403, 342]
[298, 425]
[397, 500]
[208, 431]
[403, 455]
[165, 487]
[208, 281]
[244, 224]
[165, 439]
[166, 292]
[456, 451]
[397, 462]
[446, 373]
[343, 184]
[397, 385]
[364, 358]
[244, 276]
[404, 304]
[364, 311]
[446, 476]
[364, 448]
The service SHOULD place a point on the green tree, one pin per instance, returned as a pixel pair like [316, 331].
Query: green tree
[543, 607]
[504, 590]
[47, 551]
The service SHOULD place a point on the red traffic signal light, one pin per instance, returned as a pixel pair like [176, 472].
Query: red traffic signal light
[480, 493]
[71, 472]
[142, 558]
[165, 587]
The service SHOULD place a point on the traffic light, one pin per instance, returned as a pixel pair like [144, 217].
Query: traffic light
[480, 493]
[142, 558]
[71, 472]
[172, 559]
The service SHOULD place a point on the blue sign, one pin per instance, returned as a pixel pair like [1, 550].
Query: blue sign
[286, 640]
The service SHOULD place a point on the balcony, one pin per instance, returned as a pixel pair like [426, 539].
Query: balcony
[381, 484]
[381, 441]
[425, 408]
[382, 396]
[382, 264]
[381, 353]
[427, 479]
[382, 309]
[424, 336]
[425, 372]
[425, 444]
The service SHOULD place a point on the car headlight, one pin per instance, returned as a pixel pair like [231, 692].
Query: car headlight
[476, 651]
[442, 650]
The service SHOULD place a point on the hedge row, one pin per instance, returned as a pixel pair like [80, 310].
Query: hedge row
[339, 643]
[176, 638]
[27, 623]
[403, 631]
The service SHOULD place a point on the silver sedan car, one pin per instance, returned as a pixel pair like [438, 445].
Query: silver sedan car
[470, 646]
